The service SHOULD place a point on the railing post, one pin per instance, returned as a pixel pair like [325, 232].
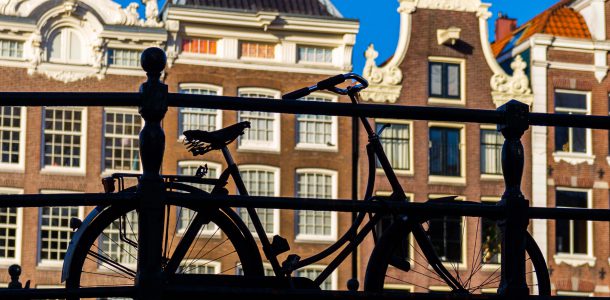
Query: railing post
[150, 187]
[514, 226]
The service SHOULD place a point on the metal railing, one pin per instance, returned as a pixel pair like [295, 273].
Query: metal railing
[513, 120]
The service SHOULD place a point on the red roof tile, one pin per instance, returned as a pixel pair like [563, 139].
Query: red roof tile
[558, 20]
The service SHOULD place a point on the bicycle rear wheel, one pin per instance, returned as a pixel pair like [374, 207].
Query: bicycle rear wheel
[107, 252]
[467, 249]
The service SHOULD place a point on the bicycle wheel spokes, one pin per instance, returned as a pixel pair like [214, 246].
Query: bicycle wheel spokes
[111, 258]
[469, 249]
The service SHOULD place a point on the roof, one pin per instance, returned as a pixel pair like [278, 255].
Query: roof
[317, 8]
[558, 20]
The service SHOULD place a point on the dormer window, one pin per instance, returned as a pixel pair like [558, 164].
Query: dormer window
[65, 47]
[257, 50]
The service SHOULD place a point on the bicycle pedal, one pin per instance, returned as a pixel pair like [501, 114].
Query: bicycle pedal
[290, 262]
[279, 245]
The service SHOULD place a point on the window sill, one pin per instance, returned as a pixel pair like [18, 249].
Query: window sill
[490, 267]
[12, 168]
[62, 171]
[50, 265]
[109, 172]
[492, 177]
[214, 235]
[446, 179]
[397, 171]
[315, 239]
[574, 260]
[450, 101]
[573, 158]
[271, 148]
[608, 159]
[316, 147]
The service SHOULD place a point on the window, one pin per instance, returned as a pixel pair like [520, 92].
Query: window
[200, 118]
[445, 233]
[261, 181]
[317, 131]
[572, 236]
[445, 151]
[11, 48]
[491, 237]
[124, 58]
[113, 242]
[445, 80]
[491, 152]
[190, 168]
[66, 47]
[312, 54]
[312, 272]
[185, 215]
[12, 119]
[396, 142]
[200, 45]
[257, 50]
[201, 266]
[63, 135]
[264, 131]
[568, 139]
[121, 141]
[319, 184]
[10, 235]
[55, 231]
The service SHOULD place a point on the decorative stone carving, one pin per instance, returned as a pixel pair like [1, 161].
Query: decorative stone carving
[505, 87]
[384, 81]
[35, 51]
[69, 7]
[448, 36]
[67, 76]
[130, 15]
[456, 5]
[97, 48]
[152, 13]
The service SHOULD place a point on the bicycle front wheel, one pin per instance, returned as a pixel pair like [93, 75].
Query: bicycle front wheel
[107, 252]
[466, 249]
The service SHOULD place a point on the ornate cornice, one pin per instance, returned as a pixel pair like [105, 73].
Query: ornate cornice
[455, 5]
[505, 87]
[385, 82]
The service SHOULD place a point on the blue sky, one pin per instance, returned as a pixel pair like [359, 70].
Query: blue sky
[379, 21]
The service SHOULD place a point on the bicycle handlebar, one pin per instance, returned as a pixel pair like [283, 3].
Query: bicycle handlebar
[329, 84]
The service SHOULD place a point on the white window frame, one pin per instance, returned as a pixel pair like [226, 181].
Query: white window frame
[262, 146]
[486, 176]
[47, 262]
[115, 65]
[20, 165]
[574, 293]
[462, 265]
[277, 51]
[193, 85]
[437, 179]
[403, 287]
[575, 158]
[204, 262]
[411, 169]
[489, 266]
[334, 140]
[301, 237]
[219, 46]
[83, 146]
[333, 276]
[17, 41]
[571, 258]
[276, 189]
[65, 46]
[18, 231]
[103, 158]
[305, 62]
[451, 60]
[212, 232]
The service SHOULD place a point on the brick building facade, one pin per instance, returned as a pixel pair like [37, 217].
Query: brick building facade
[219, 49]
[566, 49]
[444, 59]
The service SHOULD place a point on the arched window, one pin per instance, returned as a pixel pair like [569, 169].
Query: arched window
[65, 46]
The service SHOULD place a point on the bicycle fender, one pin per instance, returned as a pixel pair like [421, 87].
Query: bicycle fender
[74, 242]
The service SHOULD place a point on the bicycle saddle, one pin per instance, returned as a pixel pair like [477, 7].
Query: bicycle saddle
[200, 142]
